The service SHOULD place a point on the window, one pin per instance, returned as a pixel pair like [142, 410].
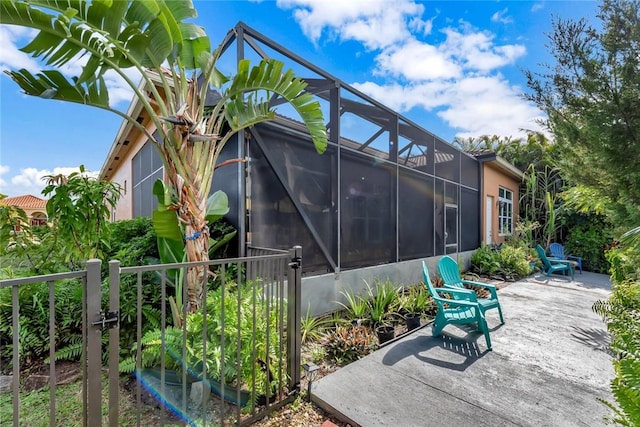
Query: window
[38, 219]
[505, 212]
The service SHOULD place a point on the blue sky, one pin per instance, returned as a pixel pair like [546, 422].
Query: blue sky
[454, 67]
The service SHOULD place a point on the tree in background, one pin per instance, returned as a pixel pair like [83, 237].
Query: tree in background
[172, 56]
[80, 208]
[592, 98]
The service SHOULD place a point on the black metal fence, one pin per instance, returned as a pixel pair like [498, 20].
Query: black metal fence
[230, 362]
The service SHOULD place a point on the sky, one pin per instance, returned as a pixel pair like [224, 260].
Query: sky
[455, 68]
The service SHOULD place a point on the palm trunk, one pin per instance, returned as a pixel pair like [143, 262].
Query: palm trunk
[197, 248]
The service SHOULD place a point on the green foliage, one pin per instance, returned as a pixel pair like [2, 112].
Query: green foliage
[132, 242]
[380, 300]
[524, 235]
[485, 261]
[347, 344]
[240, 320]
[80, 208]
[356, 305]
[509, 262]
[153, 39]
[314, 327]
[539, 203]
[33, 319]
[587, 93]
[414, 299]
[587, 238]
[621, 312]
[536, 151]
[513, 262]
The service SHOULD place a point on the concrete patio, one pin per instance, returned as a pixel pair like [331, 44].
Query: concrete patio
[548, 367]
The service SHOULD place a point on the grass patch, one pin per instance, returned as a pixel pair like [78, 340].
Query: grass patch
[34, 408]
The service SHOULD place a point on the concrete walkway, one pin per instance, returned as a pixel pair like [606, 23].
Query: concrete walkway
[548, 367]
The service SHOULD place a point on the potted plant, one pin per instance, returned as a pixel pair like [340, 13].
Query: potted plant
[356, 307]
[413, 303]
[379, 305]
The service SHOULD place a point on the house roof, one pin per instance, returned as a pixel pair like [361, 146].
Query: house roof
[27, 201]
[488, 156]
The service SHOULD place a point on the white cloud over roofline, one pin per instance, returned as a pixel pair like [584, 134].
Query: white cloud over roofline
[31, 180]
[457, 77]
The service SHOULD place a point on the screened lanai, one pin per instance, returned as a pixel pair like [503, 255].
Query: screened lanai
[386, 190]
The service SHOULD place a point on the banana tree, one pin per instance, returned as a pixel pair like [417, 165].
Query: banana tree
[171, 55]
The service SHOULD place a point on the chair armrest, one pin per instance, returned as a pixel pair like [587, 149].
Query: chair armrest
[560, 261]
[468, 294]
[487, 286]
[461, 303]
[577, 258]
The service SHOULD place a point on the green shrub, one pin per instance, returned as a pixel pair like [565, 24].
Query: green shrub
[621, 312]
[381, 300]
[485, 261]
[513, 262]
[414, 299]
[250, 323]
[509, 262]
[588, 240]
[34, 321]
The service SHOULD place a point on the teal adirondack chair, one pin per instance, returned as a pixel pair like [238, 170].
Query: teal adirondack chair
[550, 266]
[448, 270]
[455, 311]
[557, 252]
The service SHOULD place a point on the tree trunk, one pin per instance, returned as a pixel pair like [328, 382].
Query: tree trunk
[197, 248]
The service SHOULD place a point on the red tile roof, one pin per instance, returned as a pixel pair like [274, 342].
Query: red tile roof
[28, 201]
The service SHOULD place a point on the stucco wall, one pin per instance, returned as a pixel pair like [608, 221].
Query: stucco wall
[123, 175]
[321, 294]
[493, 179]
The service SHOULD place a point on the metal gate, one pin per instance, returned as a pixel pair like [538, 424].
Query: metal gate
[255, 306]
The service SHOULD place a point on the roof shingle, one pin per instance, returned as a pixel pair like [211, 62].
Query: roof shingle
[26, 201]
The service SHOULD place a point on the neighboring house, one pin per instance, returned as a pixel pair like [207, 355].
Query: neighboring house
[500, 185]
[386, 191]
[34, 207]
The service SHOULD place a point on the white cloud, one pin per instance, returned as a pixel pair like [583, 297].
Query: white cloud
[537, 6]
[30, 180]
[374, 23]
[476, 50]
[473, 106]
[502, 17]
[416, 61]
[456, 76]
[11, 58]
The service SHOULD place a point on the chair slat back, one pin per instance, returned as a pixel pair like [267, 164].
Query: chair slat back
[430, 287]
[448, 270]
[557, 250]
[543, 256]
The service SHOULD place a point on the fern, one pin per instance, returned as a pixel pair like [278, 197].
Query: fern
[72, 351]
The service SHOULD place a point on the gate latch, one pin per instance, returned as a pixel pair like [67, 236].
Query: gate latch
[108, 319]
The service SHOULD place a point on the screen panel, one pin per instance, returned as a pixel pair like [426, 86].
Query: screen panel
[415, 215]
[367, 228]
[470, 217]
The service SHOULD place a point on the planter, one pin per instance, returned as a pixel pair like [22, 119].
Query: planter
[412, 320]
[385, 333]
[173, 382]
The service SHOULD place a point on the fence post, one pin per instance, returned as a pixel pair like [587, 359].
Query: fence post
[93, 380]
[294, 308]
[114, 343]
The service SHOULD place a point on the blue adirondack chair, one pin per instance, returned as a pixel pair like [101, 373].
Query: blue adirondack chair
[557, 251]
[455, 311]
[551, 266]
[448, 270]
